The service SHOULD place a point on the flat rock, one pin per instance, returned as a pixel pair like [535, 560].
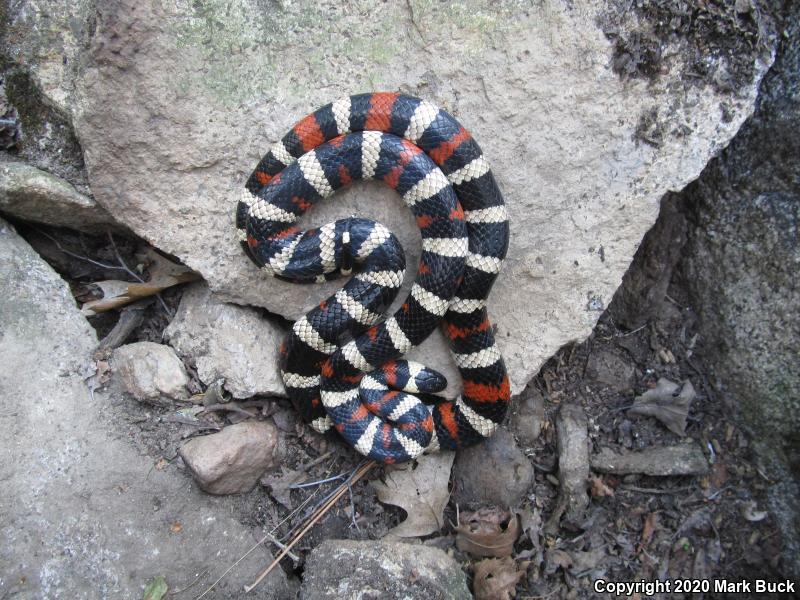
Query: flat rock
[494, 472]
[235, 343]
[357, 570]
[85, 514]
[35, 195]
[582, 154]
[151, 372]
[681, 459]
[233, 460]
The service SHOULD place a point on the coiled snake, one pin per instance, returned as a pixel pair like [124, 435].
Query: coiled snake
[361, 387]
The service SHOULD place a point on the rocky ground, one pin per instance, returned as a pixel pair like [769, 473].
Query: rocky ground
[618, 462]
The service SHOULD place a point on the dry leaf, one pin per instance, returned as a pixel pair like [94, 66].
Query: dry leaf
[421, 489]
[598, 487]
[279, 485]
[531, 524]
[487, 532]
[555, 558]
[497, 578]
[662, 403]
[648, 529]
[163, 274]
[176, 527]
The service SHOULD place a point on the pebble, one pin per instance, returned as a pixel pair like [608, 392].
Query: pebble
[233, 460]
[151, 372]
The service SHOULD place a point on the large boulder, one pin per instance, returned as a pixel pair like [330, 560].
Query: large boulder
[741, 267]
[588, 115]
[85, 515]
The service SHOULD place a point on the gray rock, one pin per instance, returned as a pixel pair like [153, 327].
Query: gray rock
[233, 460]
[527, 416]
[235, 343]
[570, 141]
[151, 372]
[34, 195]
[642, 295]
[681, 459]
[85, 514]
[355, 570]
[741, 266]
[572, 442]
[495, 472]
[611, 368]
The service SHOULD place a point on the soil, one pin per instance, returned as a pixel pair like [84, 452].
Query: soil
[636, 527]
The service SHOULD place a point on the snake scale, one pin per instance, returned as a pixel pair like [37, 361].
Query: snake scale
[342, 363]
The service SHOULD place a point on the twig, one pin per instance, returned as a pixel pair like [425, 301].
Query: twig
[130, 318]
[269, 534]
[134, 274]
[320, 513]
[297, 486]
[78, 256]
[229, 406]
[633, 488]
[200, 575]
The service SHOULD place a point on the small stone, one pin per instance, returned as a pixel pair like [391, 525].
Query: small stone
[234, 343]
[610, 368]
[526, 421]
[493, 472]
[681, 459]
[151, 372]
[233, 460]
[351, 570]
[34, 195]
[572, 440]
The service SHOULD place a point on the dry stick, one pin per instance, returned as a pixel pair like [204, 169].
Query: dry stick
[326, 507]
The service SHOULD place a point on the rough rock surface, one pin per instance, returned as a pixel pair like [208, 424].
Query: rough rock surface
[583, 146]
[682, 459]
[527, 416]
[744, 219]
[84, 514]
[572, 441]
[237, 344]
[351, 570]
[34, 195]
[231, 461]
[494, 472]
[151, 372]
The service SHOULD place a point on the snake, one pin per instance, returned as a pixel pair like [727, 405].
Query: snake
[342, 362]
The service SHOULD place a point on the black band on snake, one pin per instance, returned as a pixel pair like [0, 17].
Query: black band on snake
[341, 363]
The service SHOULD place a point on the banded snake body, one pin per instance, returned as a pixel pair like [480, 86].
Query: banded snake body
[341, 363]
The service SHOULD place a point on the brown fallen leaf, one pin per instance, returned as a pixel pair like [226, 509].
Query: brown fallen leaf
[530, 521]
[555, 558]
[279, 485]
[176, 527]
[663, 404]
[421, 489]
[598, 487]
[648, 529]
[487, 532]
[497, 578]
[163, 274]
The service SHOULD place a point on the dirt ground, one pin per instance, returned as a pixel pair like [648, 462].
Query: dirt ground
[636, 527]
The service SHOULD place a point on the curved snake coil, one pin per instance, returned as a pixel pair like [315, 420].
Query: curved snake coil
[340, 362]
